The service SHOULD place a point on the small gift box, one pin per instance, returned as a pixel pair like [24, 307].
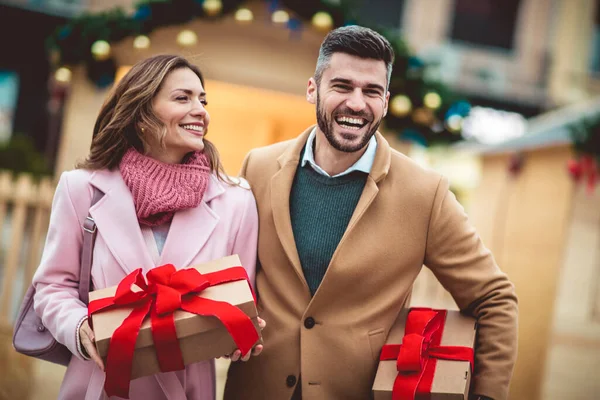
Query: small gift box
[172, 319]
[428, 355]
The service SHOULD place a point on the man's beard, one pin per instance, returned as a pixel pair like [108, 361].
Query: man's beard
[326, 126]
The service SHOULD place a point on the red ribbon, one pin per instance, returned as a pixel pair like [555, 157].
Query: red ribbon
[166, 291]
[417, 356]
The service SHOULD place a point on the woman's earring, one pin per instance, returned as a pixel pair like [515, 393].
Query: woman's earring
[143, 129]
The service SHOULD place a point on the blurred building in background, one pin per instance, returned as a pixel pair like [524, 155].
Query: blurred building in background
[526, 56]
[256, 74]
[25, 78]
[530, 70]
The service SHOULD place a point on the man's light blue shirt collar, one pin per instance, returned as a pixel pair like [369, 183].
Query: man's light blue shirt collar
[364, 163]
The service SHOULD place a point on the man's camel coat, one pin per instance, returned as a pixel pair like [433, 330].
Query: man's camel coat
[406, 217]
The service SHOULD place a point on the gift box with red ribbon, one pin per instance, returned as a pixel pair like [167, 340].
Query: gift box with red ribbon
[172, 318]
[428, 355]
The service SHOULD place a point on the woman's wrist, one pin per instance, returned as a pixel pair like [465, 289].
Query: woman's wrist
[82, 352]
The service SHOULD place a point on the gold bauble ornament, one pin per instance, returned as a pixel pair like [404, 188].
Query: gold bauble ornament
[432, 100]
[212, 7]
[322, 21]
[400, 105]
[100, 50]
[141, 42]
[187, 38]
[244, 15]
[63, 75]
[280, 17]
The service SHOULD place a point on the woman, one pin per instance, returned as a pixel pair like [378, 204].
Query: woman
[165, 200]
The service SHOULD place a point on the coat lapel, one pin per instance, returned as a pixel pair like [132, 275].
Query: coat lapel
[117, 222]
[281, 186]
[381, 166]
[191, 229]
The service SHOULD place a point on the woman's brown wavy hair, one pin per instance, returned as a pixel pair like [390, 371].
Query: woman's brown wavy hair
[129, 106]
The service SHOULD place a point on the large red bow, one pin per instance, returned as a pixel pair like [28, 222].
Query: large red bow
[417, 356]
[166, 291]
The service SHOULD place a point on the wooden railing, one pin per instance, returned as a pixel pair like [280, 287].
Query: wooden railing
[24, 212]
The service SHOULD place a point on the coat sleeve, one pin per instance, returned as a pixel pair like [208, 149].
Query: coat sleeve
[244, 170]
[57, 278]
[246, 239]
[467, 269]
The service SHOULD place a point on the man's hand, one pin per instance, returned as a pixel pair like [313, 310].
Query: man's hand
[87, 338]
[237, 354]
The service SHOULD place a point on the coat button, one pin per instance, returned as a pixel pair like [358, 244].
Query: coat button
[290, 380]
[41, 328]
[309, 323]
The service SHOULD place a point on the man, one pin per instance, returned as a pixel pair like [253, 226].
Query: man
[346, 224]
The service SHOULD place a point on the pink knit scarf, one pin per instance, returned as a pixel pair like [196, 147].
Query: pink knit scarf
[159, 190]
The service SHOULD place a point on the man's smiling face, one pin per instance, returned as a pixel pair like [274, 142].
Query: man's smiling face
[351, 100]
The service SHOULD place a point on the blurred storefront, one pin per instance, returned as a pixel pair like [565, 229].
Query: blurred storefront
[530, 70]
[25, 93]
[543, 227]
[256, 78]
[527, 55]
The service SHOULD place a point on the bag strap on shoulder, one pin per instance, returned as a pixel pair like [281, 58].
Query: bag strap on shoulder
[87, 250]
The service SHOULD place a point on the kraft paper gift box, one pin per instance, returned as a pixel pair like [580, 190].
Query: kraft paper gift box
[200, 337]
[451, 379]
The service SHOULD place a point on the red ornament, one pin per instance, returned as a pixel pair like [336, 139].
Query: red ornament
[586, 167]
[515, 164]
[575, 169]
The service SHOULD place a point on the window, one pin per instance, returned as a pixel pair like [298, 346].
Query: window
[485, 22]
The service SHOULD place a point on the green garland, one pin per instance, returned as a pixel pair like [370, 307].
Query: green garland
[585, 136]
[71, 44]
[20, 155]
[585, 166]
[409, 78]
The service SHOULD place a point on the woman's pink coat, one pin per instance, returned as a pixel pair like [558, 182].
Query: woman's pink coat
[224, 223]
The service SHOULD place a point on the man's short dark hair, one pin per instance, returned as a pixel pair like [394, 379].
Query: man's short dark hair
[355, 41]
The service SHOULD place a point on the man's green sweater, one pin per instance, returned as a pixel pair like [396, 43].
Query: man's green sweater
[321, 208]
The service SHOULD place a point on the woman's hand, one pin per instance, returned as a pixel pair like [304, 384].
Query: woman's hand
[235, 356]
[87, 338]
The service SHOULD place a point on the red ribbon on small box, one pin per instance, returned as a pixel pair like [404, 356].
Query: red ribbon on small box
[167, 290]
[417, 356]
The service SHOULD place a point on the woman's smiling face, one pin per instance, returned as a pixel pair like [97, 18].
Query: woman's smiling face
[180, 105]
